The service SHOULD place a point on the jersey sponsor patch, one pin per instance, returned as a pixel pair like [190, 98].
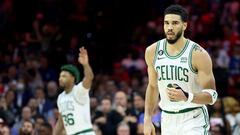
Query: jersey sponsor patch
[183, 59]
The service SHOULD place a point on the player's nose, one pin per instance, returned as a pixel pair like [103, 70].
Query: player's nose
[170, 27]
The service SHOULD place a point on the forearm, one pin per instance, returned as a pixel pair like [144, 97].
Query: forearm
[58, 129]
[151, 101]
[88, 73]
[202, 98]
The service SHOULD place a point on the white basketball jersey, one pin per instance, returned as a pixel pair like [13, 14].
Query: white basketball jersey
[74, 108]
[175, 70]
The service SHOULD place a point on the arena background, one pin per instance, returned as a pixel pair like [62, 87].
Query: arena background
[38, 36]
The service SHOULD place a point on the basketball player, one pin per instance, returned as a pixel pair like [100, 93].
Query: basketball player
[74, 101]
[181, 72]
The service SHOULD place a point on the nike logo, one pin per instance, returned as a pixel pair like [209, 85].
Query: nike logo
[196, 116]
[161, 58]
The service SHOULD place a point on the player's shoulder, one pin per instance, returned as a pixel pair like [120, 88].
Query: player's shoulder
[200, 55]
[60, 95]
[151, 49]
[198, 50]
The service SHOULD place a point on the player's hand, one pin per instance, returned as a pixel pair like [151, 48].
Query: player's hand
[148, 128]
[83, 56]
[176, 94]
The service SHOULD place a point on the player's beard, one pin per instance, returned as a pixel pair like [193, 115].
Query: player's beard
[172, 41]
[62, 87]
[62, 84]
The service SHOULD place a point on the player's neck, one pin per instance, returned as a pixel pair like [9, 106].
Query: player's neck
[179, 44]
[69, 88]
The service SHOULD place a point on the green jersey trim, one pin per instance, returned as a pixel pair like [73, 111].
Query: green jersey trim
[190, 59]
[181, 111]
[206, 121]
[84, 131]
[156, 52]
[179, 54]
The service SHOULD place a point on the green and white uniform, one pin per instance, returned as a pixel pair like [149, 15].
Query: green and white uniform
[74, 108]
[178, 70]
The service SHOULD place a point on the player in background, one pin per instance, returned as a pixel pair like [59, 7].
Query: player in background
[74, 102]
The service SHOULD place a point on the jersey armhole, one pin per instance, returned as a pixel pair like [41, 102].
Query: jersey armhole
[190, 59]
[58, 104]
[156, 53]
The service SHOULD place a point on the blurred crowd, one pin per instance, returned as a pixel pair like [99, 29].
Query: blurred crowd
[38, 36]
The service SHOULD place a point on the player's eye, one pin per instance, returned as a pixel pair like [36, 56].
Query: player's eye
[175, 22]
[165, 22]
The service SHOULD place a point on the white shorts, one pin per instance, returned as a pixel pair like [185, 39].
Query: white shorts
[194, 122]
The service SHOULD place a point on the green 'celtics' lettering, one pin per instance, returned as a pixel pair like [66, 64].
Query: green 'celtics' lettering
[171, 72]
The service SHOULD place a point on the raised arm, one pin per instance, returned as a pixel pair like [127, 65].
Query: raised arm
[88, 73]
[152, 94]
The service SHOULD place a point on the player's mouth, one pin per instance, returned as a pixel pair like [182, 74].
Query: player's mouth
[170, 34]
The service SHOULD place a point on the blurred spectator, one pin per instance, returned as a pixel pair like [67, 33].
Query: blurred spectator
[22, 94]
[121, 106]
[236, 128]
[52, 91]
[1, 122]
[33, 105]
[33, 77]
[106, 118]
[27, 128]
[7, 115]
[232, 109]
[44, 105]
[234, 70]
[4, 129]
[52, 116]
[72, 53]
[45, 129]
[138, 104]
[135, 84]
[93, 106]
[156, 119]
[220, 61]
[12, 73]
[124, 86]
[10, 98]
[39, 121]
[26, 115]
[218, 122]
[123, 129]
[46, 71]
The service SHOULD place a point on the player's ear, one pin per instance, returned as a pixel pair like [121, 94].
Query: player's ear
[184, 25]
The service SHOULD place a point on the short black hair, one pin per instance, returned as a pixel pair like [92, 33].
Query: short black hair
[178, 10]
[73, 70]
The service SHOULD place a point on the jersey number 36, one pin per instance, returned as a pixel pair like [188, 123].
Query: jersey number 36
[68, 119]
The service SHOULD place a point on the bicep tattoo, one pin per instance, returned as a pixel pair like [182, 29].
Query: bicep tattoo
[198, 48]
